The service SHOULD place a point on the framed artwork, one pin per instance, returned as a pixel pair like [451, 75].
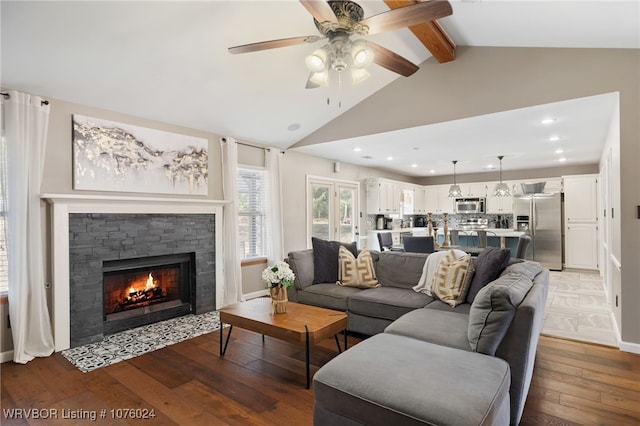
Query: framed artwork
[110, 156]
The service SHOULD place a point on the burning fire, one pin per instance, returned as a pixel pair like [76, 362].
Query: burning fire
[149, 285]
[150, 291]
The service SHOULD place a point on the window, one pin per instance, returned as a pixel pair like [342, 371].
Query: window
[4, 278]
[251, 212]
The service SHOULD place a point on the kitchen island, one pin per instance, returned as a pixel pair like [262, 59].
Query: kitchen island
[468, 237]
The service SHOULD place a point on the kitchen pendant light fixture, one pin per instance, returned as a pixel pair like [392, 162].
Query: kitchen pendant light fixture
[454, 190]
[501, 189]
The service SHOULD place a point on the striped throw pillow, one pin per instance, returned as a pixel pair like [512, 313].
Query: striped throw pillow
[450, 279]
[356, 272]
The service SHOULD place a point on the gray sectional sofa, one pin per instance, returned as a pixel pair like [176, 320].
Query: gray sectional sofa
[426, 362]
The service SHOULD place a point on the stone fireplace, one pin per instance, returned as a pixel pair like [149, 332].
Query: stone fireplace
[121, 262]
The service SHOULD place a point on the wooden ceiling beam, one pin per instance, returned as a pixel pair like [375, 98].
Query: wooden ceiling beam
[431, 34]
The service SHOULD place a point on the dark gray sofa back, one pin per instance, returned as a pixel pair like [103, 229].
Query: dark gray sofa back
[399, 269]
[519, 345]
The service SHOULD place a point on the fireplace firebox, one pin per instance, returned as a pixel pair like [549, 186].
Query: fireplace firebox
[143, 290]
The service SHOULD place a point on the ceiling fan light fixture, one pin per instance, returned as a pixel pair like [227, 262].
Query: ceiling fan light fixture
[317, 61]
[361, 54]
[358, 75]
[319, 78]
[501, 189]
[454, 190]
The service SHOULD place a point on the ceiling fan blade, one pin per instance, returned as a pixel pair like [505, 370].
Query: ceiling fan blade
[320, 10]
[392, 61]
[272, 44]
[407, 16]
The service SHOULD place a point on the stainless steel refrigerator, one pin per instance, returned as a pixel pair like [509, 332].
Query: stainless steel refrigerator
[540, 216]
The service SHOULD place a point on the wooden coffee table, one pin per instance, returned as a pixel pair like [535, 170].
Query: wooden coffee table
[300, 324]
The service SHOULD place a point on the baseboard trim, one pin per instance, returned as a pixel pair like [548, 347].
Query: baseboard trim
[259, 293]
[634, 348]
[6, 356]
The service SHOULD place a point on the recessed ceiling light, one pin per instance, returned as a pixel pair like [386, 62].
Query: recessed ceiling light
[294, 127]
[559, 151]
[554, 138]
[491, 167]
[562, 159]
[432, 171]
[416, 148]
[367, 157]
[548, 120]
[389, 158]
[357, 149]
[414, 165]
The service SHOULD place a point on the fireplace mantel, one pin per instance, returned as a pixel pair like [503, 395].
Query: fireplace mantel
[64, 204]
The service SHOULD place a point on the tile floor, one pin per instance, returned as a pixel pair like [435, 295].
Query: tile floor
[577, 308]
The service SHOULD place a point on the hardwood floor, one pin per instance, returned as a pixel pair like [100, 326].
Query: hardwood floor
[263, 384]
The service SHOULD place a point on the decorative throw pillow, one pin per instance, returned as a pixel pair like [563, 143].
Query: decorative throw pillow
[356, 272]
[450, 279]
[489, 265]
[325, 259]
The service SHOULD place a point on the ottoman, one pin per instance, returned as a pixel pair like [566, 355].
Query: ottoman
[396, 380]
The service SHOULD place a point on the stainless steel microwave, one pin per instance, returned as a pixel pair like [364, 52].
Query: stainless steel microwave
[471, 205]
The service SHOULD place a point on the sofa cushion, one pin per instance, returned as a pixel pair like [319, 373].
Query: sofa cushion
[356, 272]
[386, 302]
[400, 269]
[493, 310]
[325, 259]
[327, 295]
[450, 283]
[393, 380]
[446, 328]
[301, 263]
[488, 265]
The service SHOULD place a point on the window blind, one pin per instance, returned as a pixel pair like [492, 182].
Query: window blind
[251, 212]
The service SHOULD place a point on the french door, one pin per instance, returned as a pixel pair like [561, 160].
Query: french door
[332, 208]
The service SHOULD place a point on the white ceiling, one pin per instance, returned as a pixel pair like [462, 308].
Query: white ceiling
[168, 61]
[576, 136]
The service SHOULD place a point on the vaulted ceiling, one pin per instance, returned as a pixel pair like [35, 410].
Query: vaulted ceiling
[168, 61]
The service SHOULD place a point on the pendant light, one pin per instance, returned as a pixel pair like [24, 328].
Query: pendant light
[454, 190]
[501, 189]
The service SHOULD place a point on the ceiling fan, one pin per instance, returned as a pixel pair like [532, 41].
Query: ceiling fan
[337, 21]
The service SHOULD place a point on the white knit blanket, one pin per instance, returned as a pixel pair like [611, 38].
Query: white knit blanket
[429, 270]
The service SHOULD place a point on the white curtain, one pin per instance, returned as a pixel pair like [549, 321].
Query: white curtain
[275, 236]
[25, 129]
[232, 288]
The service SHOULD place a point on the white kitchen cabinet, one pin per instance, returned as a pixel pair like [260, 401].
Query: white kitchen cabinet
[438, 200]
[408, 201]
[419, 200]
[580, 198]
[581, 221]
[383, 197]
[473, 190]
[581, 249]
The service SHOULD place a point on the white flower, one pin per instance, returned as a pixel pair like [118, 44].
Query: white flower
[279, 273]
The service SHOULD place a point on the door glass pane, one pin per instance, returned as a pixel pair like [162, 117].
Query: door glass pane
[346, 219]
[320, 202]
